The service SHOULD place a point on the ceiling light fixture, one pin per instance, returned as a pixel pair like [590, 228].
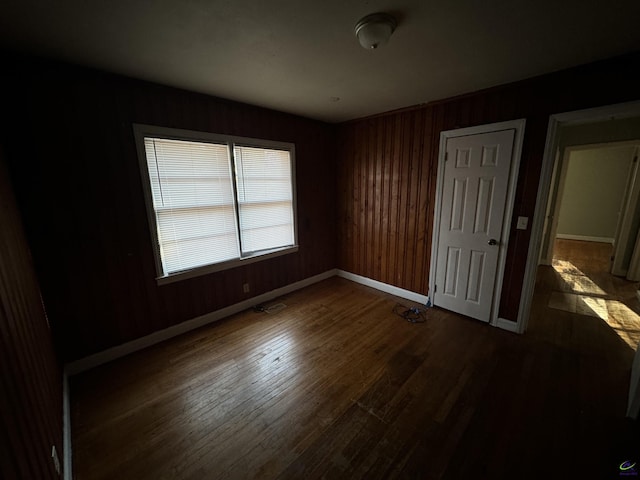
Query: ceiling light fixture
[375, 30]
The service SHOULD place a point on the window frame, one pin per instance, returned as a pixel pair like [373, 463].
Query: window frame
[142, 130]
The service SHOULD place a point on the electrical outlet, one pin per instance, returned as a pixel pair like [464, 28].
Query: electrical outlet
[245, 288]
[55, 459]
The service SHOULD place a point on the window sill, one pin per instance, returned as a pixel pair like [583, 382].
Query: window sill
[218, 267]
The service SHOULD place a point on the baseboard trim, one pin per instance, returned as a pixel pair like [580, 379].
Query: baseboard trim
[92, 361]
[585, 238]
[67, 458]
[384, 287]
[505, 324]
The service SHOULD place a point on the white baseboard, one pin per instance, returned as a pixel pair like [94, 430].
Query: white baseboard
[113, 353]
[384, 287]
[67, 463]
[585, 238]
[505, 324]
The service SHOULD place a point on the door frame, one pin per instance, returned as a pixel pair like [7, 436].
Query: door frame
[518, 126]
[554, 202]
[576, 117]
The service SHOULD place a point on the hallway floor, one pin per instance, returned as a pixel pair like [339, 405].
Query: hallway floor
[576, 294]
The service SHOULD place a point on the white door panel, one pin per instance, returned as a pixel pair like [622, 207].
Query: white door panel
[476, 179]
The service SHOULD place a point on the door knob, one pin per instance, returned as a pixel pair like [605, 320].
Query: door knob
[492, 241]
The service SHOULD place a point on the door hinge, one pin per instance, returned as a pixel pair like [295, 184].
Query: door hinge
[635, 159]
[435, 288]
[612, 257]
[446, 156]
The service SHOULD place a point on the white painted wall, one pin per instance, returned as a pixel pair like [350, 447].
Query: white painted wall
[593, 192]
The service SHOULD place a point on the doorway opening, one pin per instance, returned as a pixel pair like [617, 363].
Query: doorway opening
[593, 226]
[599, 314]
[602, 125]
[595, 198]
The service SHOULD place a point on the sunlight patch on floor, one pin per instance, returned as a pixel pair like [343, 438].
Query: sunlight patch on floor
[581, 304]
[575, 279]
[584, 297]
[625, 322]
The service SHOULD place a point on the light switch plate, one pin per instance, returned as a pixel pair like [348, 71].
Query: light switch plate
[522, 223]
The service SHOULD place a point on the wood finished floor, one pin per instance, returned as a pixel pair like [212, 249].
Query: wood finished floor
[576, 296]
[335, 386]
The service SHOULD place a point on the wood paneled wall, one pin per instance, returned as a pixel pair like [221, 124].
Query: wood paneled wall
[388, 167]
[385, 193]
[30, 381]
[71, 149]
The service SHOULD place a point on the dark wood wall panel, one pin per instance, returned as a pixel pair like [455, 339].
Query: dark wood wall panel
[388, 166]
[30, 381]
[79, 188]
[71, 152]
[384, 197]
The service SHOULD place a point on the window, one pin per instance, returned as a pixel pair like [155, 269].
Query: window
[215, 201]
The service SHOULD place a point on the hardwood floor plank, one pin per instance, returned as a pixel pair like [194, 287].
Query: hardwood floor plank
[337, 386]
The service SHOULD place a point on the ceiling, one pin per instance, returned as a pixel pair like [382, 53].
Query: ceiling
[302, 57]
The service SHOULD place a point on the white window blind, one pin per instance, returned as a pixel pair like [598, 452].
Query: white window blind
[213, 201]
[265, 198]
[192, 191]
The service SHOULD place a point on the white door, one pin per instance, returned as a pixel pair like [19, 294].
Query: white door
[474, 194]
